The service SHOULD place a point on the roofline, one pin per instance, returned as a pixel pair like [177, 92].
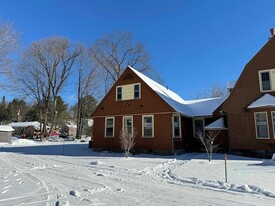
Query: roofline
[248, 63]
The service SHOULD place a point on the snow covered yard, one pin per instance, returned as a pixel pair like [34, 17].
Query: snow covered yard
[53, 173]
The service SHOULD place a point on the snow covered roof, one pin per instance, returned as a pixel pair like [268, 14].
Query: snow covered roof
[265, 101]
[231, 84]
[218, 124]
[25, 124]
[200, 107]
[6, 128]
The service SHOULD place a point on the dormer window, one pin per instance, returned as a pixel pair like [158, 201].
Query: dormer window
[128, 92]
[267, 80]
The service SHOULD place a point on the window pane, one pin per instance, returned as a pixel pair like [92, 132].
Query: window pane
[128, 124]
[273, 121]
[109, 127]
[265, 81]
[261, 125]
[136, 91]
[119, 93]
[198, 125]
[176, 126]
[148, 126]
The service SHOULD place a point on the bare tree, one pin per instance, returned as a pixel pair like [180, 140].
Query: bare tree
[127, 140]
[215, 90]
[43, 71]
[86, 81]
[8, 44]
[208, 141]
[114, 52]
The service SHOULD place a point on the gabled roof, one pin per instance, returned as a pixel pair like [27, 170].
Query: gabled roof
[217, 125]
[265, 101]
[6, 128]
[191, 108]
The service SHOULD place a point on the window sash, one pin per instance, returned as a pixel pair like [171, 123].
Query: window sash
[198, 126]
[119, 93]
[273, 122]
[128, 124]
[148, 126]
[109, 126]
[137, 91]
[266, 84]
[176, 126]
[261, 125]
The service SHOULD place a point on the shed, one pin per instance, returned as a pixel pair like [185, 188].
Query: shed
[5, 133]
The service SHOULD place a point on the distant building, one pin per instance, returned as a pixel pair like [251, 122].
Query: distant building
[69, 129]
[28, 128]
[5, 133]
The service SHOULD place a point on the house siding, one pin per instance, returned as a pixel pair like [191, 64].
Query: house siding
[241, 124]
[149, 104]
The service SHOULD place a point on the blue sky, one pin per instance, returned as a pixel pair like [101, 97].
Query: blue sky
[193, 43]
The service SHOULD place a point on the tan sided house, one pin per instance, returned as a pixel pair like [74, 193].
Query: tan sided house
[165, 123]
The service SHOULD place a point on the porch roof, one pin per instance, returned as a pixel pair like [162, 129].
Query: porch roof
[218, 125]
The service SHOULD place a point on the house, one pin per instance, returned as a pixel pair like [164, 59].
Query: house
[5, 133]
[28, 128]
[165, 123]
[250, 107]
[69, 129]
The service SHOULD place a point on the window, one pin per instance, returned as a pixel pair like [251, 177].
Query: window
[176, 126]
[261, 124]
[273, 122]
[198, 126]
[109, 126]
[136, 91]
[148, 126]
[128, 92]
[119, 93]
[267, 80]
[128, 124]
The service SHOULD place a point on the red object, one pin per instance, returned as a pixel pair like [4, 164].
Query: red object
[55, 133]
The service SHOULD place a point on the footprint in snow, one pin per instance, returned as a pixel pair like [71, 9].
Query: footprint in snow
[75, 193]
[4, 191]
[7, 187]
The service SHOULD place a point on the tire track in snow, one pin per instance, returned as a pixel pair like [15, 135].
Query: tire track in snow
[16, 170]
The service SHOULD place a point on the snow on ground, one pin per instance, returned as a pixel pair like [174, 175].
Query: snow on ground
[69, 173]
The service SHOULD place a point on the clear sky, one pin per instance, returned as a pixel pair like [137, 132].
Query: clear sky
[193, 43]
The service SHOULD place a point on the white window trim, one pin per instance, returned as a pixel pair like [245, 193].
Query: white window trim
[173, 126]
[116, 93]
[123, 122]
[273, 122]
[106, 127]
[260, 79]
[153, 126]
[203, 125]
[268, 136]
[139, 90]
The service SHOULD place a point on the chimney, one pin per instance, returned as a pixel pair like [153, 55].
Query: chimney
[272, 32]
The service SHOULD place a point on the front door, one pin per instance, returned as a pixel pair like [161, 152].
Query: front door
[128, 124]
